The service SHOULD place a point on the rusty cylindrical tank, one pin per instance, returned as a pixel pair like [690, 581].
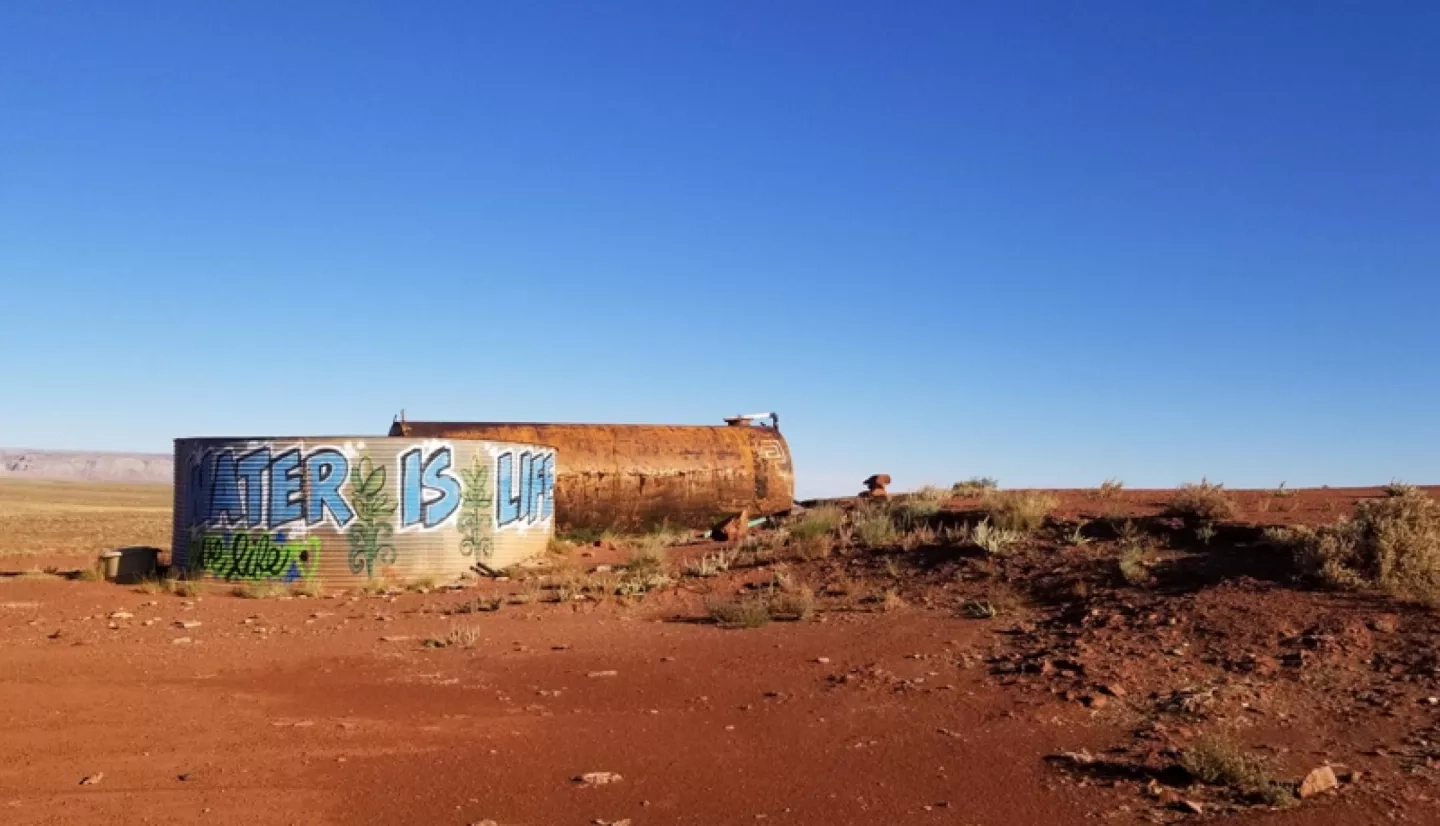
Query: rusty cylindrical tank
[634, 477]
[340, 511]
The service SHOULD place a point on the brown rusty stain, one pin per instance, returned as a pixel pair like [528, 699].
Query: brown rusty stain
[634, 477]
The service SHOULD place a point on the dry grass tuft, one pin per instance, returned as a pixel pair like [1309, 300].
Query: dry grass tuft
[1016, 510]
[260, 590]
[463, 637]
[811, 548]
[1133, 556]
[975, 486]
[1110, 488]
[993, 540]
[1215, 761]
[1392, 544]
[793, 604]
[874, 526]
[1201, 504]
[739, 612]
[817, 522]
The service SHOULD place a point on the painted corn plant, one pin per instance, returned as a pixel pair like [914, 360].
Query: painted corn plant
[369, 536]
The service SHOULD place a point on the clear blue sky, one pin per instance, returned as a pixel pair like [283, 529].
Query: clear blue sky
[1048, 242]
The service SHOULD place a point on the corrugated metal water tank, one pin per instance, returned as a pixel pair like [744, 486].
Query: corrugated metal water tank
[342, 510]
[631, 477]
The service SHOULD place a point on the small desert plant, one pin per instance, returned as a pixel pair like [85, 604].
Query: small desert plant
[919, 536]
[307, 588]
[1110, 488]
[1018, 510]
[151, 585]
[1399, 488]
[421, 585]
[1283, 492]
[1391, 543]
[793, 603]
[890, 601]
[1132, 563]
[874, 526]
[991, 539]
[463, 637]
[975, 486]
[95, 572]
[187, 586]
[711, 564]
[1215, 761]
[1201, 504]
[1205, 532]
[559, 546]
[817, 522]
[647, 558]
[1076, 536]
[981, 609]
[915, 511]
[259, 590]
[477, 605]
[811, 547]
[739, 612]
[1279, 535]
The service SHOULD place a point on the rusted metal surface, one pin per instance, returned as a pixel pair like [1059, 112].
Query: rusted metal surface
[631, 477]
[340, 511]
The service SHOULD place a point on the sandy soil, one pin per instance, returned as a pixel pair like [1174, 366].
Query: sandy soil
[224, 710]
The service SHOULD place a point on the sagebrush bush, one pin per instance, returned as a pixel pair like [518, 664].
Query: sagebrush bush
[1019, 510]
[1201, 504]
[1391, 543]
[1219, 762]
[874, 526]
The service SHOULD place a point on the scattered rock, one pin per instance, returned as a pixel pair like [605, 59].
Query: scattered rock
[734, 528]
[823, 660]
[186, 777]
[188, 624]
[181, 641]
[92, 780]
[598, 778]
[1096, 701]
[1320, 780]
[1113, 689]
[1192, 807]
[119, 615]
[603, 674]
[1385, 624]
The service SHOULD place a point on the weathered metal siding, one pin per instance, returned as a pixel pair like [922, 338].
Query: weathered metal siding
[339, 511]
[633, 477]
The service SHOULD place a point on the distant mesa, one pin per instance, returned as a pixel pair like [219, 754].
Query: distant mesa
[94, 466]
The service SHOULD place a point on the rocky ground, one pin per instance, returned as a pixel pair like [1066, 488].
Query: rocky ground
[918, 679]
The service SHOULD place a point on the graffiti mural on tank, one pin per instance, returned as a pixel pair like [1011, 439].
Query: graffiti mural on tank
[295, 510]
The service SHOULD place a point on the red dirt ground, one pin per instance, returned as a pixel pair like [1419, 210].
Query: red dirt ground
[332, 710]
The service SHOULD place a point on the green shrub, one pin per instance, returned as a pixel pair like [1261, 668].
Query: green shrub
[1392, 544]
[1201, 504]
[817, 522]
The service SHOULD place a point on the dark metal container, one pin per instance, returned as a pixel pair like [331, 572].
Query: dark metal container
[635, 477]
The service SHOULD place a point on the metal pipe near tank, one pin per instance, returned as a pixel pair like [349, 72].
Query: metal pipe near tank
[635, 477]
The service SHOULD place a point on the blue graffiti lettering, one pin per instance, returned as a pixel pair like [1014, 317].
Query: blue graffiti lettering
[251, 470]
[529, 498]
[265, 489]
[325, 472]
[429, 493]
[286, 497]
